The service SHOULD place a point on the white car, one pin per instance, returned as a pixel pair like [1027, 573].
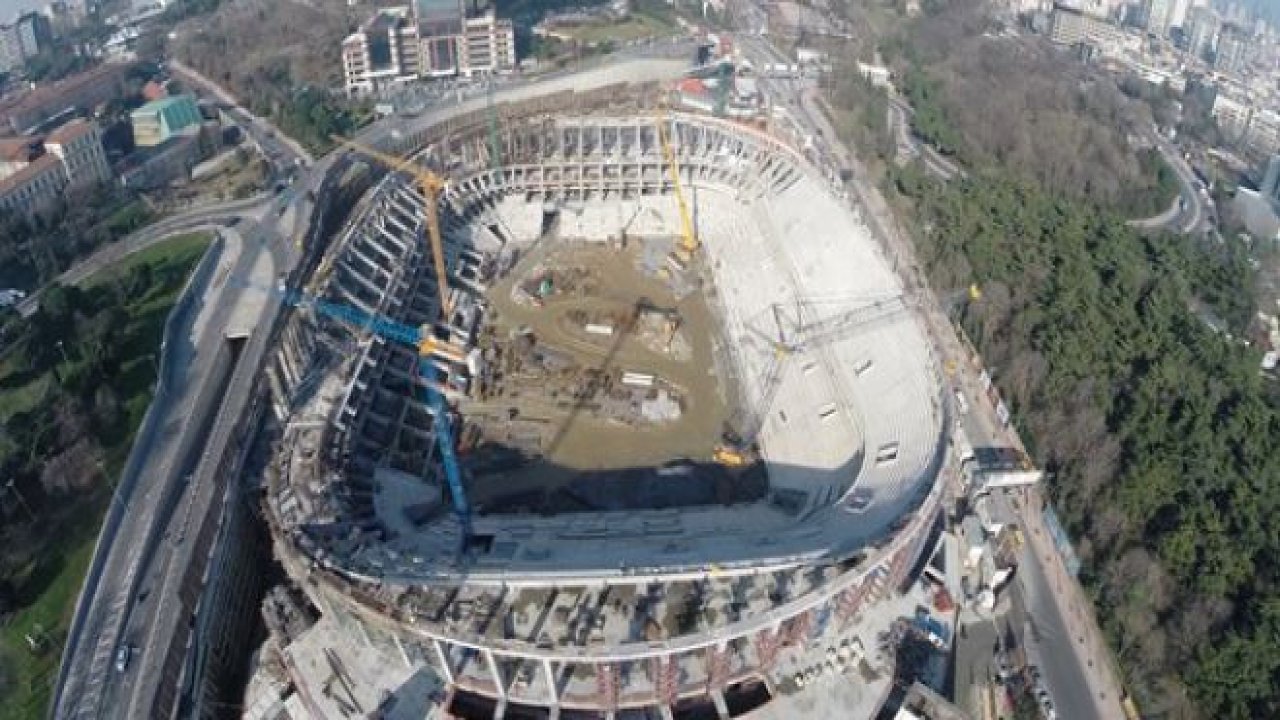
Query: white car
[123, 654]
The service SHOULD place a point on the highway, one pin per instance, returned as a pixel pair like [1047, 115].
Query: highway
[131, 593]
[137, 539]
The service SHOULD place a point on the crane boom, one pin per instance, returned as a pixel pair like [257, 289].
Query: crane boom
[746, 425]
[431, 186]
[688, 237]
[421, 340]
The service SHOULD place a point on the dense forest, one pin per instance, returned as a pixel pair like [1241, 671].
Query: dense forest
[280, 59]
[33, 251]
[994, 100]
[1155, 428]
[1118, 352]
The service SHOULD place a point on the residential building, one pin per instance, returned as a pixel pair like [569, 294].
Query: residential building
[1233, 116]
[440, 25]
[1202, 31]
[1233, 50]
[490, 46]
[1157, 16]
[78, 145]
[35, 172]
[1263, 133]
[1072, 27]
[384, 50]
[159, 120]
[25, 37]
[430, 39]
[79, 93]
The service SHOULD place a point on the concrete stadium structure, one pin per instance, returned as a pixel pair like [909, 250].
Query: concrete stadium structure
[585, 612]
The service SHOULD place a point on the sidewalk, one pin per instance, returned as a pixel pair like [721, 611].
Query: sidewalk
[1089, 649]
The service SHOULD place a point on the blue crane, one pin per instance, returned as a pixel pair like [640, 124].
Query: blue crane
[421, 340]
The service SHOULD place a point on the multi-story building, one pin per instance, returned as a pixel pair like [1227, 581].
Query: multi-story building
[1233, 49]
[159, 120]
[1201, 31]
[431, 39]
[1263, 133]
[78, 144]
[35, 171]
[384, 50]
[440, 25]
[79, 93]
[25, 37]
[1069, 26]
[489, 46]
[1157, 16]
[1233, 116]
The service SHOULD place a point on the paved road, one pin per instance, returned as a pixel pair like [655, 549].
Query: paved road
[89, 686]
[201, 217]
[1087, 685]
[125, 598]
[900, 121]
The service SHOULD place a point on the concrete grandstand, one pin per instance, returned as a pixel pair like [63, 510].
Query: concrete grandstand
[651, 595]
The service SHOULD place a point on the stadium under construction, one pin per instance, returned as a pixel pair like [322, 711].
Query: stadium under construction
[670, 421]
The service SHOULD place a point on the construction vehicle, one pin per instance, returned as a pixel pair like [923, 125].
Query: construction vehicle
[795, 334]
[689, 243]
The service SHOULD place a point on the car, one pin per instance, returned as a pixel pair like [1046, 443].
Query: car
[123, 655]
[962, 404]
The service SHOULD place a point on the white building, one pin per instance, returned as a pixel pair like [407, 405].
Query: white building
[36, 172]
[430, 40]
[385, 50]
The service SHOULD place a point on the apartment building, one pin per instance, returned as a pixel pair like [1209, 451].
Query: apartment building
[35, 171]
[490, 46]
[79, 93]
[384, 50]
[1233, 50]
[430, 39]
[23, 38]
[1069, 26]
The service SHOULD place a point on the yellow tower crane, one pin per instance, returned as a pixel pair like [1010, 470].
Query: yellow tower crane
[688, 236]
[431, 186]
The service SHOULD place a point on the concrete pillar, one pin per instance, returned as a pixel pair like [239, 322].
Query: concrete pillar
[496, 671]
[722, 708]
[446, 668]
[553, 692]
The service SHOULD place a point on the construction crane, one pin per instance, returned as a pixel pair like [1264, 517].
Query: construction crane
[688, 237]
[795, 334]
[431, 186]
[426, 345]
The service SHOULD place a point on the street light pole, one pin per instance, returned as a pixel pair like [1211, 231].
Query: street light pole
[12, 487]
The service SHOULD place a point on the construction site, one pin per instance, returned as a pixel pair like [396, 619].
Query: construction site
[595, 409]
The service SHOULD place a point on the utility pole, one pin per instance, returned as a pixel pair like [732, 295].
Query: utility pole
[12, 487]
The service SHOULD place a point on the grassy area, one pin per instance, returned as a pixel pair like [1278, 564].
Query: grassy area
[177, 252]
[59, 547]
[637, 25]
